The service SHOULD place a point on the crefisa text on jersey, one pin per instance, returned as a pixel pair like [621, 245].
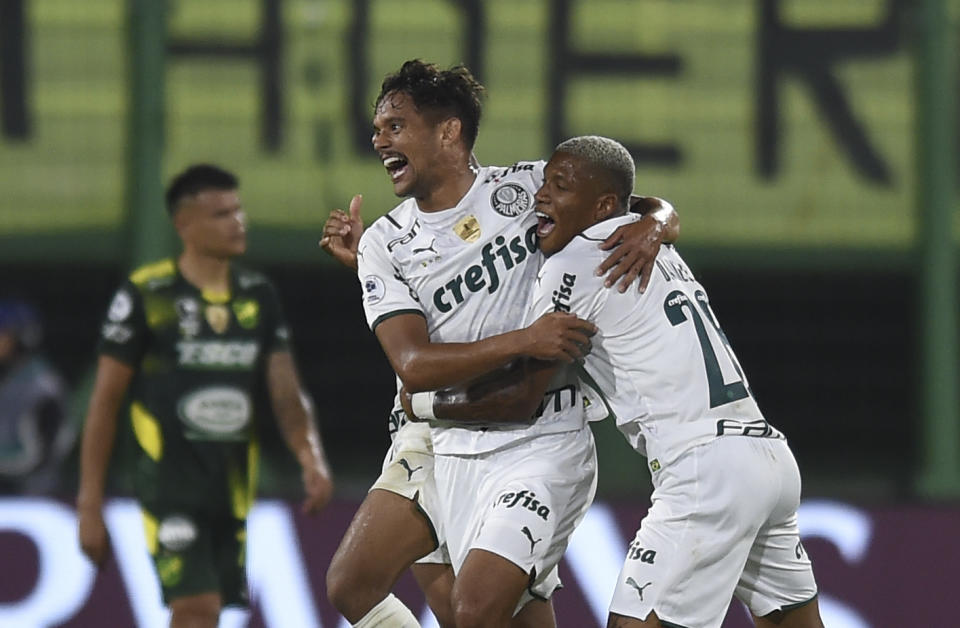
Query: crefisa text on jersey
[561, 296]
[474, 278]
[526, 500]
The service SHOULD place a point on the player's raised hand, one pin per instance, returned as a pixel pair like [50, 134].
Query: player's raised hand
[93, 536]
[341, 233]
[635, 247]
[318, 485]
[558, 336]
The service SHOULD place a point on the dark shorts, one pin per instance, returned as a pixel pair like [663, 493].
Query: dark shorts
[198, 552]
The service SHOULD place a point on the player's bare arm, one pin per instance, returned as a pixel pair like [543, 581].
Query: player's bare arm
[294, 413]
[99, 433]
[635, 246]
[508, 395]
[341, 233]
[423, 365]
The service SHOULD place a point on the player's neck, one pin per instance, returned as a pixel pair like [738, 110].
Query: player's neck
[450, 189]
[209, 274]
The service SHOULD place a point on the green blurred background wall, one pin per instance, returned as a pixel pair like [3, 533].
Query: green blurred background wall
[787, 133]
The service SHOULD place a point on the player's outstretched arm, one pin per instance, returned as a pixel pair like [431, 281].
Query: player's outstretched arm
[508, 395]
[294, 413]
[341, 233]
[635, 246]
[99, 432]
[423, 365]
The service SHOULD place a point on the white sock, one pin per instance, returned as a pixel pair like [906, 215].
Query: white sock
[389, 613]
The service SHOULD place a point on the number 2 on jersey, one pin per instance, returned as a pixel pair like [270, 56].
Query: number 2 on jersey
[720, 393]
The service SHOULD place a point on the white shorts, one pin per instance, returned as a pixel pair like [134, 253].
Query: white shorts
[723, 522]
[408, 471]
[520, 502]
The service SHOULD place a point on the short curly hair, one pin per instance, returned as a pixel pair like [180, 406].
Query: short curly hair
[609, 156]
[439, 93]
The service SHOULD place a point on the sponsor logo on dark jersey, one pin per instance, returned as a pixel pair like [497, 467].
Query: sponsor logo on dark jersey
[216, 353]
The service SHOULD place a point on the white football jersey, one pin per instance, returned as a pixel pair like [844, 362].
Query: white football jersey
[469, 271]
[659, 359]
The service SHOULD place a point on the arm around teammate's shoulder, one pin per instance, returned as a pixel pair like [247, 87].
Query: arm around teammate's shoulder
[635, 245]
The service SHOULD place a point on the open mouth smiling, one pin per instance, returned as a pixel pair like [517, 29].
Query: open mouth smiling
[396, 166]
[545, 224]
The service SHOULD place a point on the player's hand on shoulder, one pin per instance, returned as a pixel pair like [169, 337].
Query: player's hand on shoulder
[634, 249]
[318, 485]
[93, 536]
[558, 336]
[341, 233]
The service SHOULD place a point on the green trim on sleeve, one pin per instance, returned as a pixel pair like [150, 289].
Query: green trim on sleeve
[383, 317]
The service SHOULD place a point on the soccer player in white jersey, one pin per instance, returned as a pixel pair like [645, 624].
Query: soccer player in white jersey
[449, 266]
[726, 485]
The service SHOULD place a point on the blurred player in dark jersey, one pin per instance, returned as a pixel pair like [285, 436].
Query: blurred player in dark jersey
[202, 347]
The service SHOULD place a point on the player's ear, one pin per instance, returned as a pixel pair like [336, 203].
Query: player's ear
[181, 219]
[606, 206]
[450, 130]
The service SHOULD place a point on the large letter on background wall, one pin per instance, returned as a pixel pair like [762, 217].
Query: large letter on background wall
[566, 63]
[358, 56]
[810, 55]
[267, 52]
[14, 117]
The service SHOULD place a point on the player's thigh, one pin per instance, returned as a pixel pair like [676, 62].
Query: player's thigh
[778, 575]
[687, 557]
[521, 504]
[195, 611]
[804, 616]
[436, 582]
[488, 589]
[387, 534]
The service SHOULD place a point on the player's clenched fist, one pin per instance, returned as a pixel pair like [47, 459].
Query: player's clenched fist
[558, 336]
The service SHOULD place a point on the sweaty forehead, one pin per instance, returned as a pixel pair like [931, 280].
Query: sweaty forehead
[568, 166]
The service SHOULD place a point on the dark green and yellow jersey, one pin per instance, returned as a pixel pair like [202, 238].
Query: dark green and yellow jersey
[200, 380]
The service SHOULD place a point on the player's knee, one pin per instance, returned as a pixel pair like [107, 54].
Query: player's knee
[440, 605]
[479, 610]
[201, 611]
[341, 589]
[351, 591]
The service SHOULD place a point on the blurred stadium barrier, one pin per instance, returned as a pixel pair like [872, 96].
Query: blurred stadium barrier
[771, 123]
[864, 570]
[783, 130]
